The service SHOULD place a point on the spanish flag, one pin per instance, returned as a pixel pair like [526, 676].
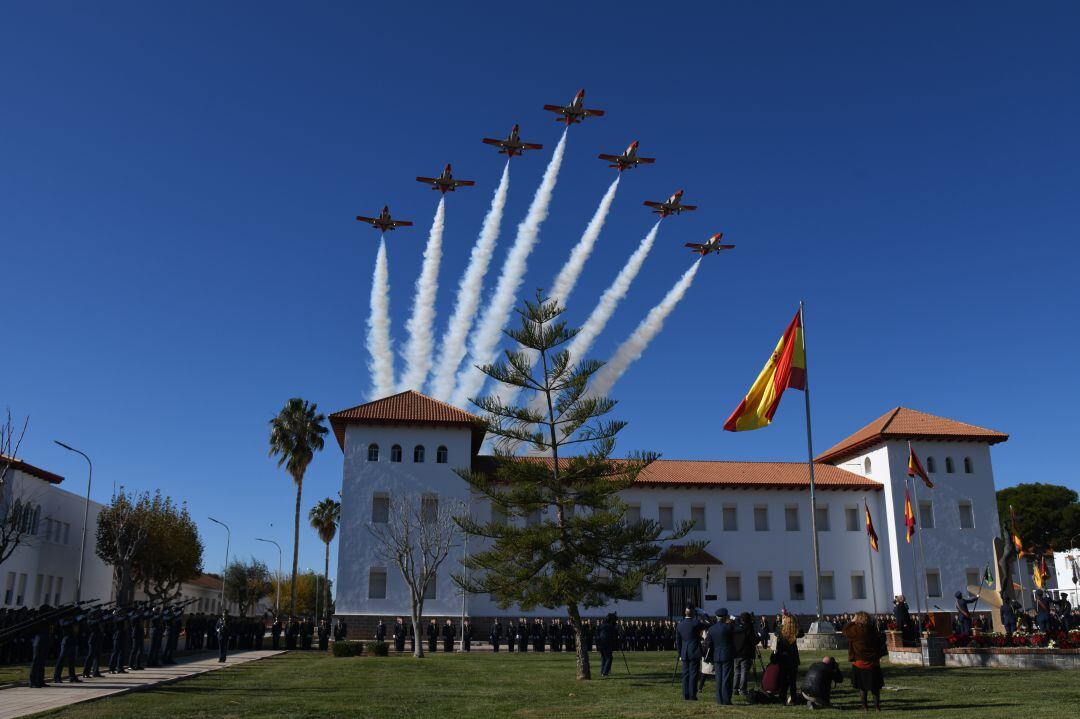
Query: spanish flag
[785, 368]
[1040, 573]
[909, 516]
[915, 468]
[1015, 537]
[870, 528]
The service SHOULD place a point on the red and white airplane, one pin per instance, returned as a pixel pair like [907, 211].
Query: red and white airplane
[384, 222]
[512, 145]
[628, 159]
[445, 182]
[575, 111]
[671, 206]
[711, 245]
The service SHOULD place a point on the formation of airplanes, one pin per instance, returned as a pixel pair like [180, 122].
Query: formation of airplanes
[513, 146]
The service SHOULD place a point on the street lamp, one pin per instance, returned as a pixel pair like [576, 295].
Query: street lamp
[228, 538]
[277, 601]
[86, 515]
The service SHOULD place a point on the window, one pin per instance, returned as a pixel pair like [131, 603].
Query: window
[764, 586]
[931, 465]
[851, 519]
[380, 508]
[974, 577]
[949, 465]
[933, 583]
[376, 586]
[828, 588]
[791, 518]
[867, 466]
[633, 514]
[373, 453]
[926, 513]
[429, 508]
[761, 518]
[418, 454]
[967, 516]
[697, 516]
[430, 591]
[731, 518]
[733, 587]
[48, 587]
[795, 586]
[858, 585]
[20, 595]
[968, 466]
[822, 516]
[667, 517]
[440, 455]
[395, 453]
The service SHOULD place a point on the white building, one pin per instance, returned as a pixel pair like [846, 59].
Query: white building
[754, 515]
[1065, 575]
[44, 567]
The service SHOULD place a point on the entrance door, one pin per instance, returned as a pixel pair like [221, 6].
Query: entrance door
[682, 593]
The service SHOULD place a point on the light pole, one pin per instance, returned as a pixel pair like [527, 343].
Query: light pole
[86, 515]
[228, 538]
[277, 601]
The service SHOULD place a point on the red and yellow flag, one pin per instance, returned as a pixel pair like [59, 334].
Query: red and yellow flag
[1040, 573]
[870, 528]
[785, 368]
[1015, 537]
[915, 468]
[909, 516]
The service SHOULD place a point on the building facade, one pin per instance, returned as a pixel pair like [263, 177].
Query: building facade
[754, 516]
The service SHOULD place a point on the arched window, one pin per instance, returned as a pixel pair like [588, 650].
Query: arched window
[968, 467]
[948, 465]
[373, 452]
[395, 453]
[440, 455]
[866, 465]
[931, 466]
[418, 453]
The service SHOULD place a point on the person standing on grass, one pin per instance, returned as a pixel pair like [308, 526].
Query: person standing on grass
[746, 641]
[432, 637]
[494, 635]
[399, 635]
[688, 645]
[786, 655]
[605, 643]
[275, 634]
[466, 636]
[865, 652]
[222, 631]
[722, 639]
[448, 634]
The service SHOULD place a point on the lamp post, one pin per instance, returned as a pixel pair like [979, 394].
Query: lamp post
[277, 601]
[86, 515]
[228, 538]
[317, 585]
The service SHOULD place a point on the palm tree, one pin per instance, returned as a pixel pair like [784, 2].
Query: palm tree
[324, 518]
[295, 435]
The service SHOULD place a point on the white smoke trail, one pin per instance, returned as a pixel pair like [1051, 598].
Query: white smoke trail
[452, 349]
[486, 337]
[378, 338]
[421, 344]
[636, 343]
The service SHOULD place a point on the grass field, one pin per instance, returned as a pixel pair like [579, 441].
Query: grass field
[302, 684]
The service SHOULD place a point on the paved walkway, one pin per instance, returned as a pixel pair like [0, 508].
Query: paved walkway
[21, 701]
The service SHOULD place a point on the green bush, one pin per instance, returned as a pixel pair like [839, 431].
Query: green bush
[378, 649]
[348, 649]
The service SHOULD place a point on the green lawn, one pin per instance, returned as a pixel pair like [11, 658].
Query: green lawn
[304, 684]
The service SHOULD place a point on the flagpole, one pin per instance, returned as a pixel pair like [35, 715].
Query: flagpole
[922, 554]
[870, 557]
[914, 559]
[1019, 554]
[810, 465]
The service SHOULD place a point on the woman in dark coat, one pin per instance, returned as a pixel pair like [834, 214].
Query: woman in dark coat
[864, 653]
[786, 654]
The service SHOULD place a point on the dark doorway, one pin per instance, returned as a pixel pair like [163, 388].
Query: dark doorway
[680, 593]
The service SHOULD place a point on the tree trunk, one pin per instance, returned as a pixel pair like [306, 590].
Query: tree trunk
[296, 543]
[418, 638]
[326, 581]
[583, 670]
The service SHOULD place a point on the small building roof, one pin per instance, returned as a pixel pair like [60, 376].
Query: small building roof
[20, 465]
[680, 555]
[210, 581]
[903, 423]
[407, 408]
[732, 475]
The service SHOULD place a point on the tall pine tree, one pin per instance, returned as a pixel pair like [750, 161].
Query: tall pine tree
[558, 536]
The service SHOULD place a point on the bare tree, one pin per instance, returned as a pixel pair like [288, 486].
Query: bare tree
[17, 518]
[417, 538]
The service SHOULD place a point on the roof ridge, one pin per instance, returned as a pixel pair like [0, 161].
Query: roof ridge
[892, 415]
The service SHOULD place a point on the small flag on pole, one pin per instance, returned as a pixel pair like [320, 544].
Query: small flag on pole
[870, 528]
[915, 468]
[786, 368]
[1015, 537]
[988, 578]
[909, 516]
[1040, 573]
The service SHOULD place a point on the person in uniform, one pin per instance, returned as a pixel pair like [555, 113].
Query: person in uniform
[137, 657]
[40, 644]
[275, 634]
[324, 634]
[119, 632]
[157, 626]
[466, 636]
[380, 631]
[495, 635]
[605, 643]
[688, 644]
[554, 633]
[92, 666]
[963, 614]
[902, 617]
[292, 631]
[722, 641]
[523, 636]
[448, 634]
[260, 632]
[399, 635]
[171, 638]
[432, 636]
[222, 632]
[1008, 617]
[66, 655]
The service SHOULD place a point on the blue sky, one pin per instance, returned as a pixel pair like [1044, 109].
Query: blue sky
[178, 187]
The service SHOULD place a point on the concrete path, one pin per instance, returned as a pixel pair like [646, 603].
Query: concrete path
[22, 701]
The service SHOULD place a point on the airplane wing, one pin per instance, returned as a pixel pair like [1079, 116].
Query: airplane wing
[595, 113]
[369, 220]
[650, 203]
[555, 108]
[646, 160]
[532, 146]
[428, 180]
[727, 247]
[694, 245]
[610, 158]
[489, 141]
[688, 207]
[402, 223]
[464, 183]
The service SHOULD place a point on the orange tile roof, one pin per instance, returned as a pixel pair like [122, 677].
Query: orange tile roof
[405, 408]
[733, 475]
[20, 465]
[678, 554]
[904, 423]
[210, 581]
